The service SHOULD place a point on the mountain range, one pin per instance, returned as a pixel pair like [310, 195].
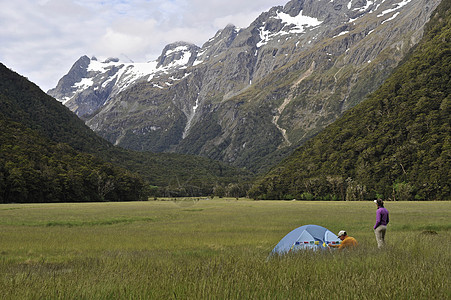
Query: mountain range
[249, 96]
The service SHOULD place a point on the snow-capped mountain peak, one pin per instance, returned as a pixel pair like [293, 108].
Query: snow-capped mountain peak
[98, 81]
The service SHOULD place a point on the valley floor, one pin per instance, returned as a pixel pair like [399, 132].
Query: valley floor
[218, 249]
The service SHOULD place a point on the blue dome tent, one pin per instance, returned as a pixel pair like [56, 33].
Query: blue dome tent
[311, 237]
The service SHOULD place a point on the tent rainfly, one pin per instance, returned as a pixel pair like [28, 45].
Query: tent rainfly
[311, 237]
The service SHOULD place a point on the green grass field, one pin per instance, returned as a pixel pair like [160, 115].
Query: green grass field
[218, 249]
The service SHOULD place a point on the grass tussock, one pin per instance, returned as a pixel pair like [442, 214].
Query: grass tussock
[220, 251]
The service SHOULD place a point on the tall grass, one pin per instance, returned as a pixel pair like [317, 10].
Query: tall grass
[218, 249]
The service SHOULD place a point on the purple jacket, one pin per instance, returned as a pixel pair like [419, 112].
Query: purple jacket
[381, 217]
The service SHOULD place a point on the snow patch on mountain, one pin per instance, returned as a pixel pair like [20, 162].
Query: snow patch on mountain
[182, 62]
[365, 7]
[84, 83]
[395, 8]
[190, 115]
[391, 18]
[177, 49]
[293, 25]
[341, 33]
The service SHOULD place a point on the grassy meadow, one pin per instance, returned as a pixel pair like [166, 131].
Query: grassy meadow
[218, 249]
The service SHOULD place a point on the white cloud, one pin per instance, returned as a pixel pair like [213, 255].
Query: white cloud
[42, 39]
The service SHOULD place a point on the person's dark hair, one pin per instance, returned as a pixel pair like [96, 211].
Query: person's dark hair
[380, 203]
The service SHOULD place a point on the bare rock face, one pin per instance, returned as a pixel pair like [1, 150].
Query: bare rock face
[249, 96]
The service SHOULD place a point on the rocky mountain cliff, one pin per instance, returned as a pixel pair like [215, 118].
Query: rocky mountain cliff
[249, 96]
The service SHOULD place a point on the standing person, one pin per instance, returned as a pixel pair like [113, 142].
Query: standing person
[380, 228]
[346, 241]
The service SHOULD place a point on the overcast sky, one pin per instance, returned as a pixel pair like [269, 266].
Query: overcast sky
[41, 39]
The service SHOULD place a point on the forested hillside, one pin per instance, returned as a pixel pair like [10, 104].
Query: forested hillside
[47, 154]
[396, 144]
[35, 169]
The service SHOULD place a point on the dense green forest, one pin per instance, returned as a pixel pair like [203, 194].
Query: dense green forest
[47, 154]
[395, 144]
[35, 169]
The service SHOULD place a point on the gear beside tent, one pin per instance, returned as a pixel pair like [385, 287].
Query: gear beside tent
[307, 237]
